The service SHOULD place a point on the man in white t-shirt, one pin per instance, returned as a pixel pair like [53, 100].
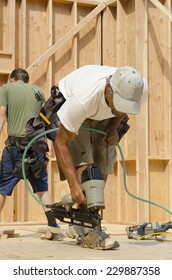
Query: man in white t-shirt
[97, 97]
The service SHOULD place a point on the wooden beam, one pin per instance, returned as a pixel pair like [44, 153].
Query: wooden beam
[74, 43]
[12, 29]
[142, 175]
[110, 2]
[161, 8]
[66, 37]
[84, 2]
[23, 27]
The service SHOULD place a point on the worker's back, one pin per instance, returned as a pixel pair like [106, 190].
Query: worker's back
[22, 101]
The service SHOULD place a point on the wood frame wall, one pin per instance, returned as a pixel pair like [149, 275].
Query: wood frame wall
[50, 38]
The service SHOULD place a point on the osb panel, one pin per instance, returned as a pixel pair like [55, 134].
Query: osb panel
[3, 79]
[21, 209]
[109, 39]
[6, 62]
[37, 38]
[120, 207]
[60, 188]
[87, 45]
[159, 190]
[112, 203]
[7, 214]
[63, 21]
[127, 203]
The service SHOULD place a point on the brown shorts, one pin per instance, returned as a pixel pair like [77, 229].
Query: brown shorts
[86, 149]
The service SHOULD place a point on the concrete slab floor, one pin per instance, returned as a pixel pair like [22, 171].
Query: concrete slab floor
[29, 246]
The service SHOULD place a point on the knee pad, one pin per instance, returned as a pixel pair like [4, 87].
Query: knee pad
[93, 185]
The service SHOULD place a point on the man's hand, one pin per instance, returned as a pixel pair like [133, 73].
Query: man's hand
[112, 137]
[77, 194]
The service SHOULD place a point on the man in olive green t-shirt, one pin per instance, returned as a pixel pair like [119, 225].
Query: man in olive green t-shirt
[20, 101]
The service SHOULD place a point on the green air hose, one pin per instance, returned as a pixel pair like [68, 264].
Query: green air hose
[123, 164]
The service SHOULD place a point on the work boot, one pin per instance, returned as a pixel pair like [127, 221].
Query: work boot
[98, 239]
[72, 231]
[53, 233]
[76, 232]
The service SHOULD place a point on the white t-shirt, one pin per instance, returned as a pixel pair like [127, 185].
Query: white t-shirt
[84, 92]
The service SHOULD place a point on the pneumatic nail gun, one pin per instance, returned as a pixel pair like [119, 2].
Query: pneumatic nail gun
[93, 184]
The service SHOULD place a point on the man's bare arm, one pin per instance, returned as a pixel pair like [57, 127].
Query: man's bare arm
[2, 117]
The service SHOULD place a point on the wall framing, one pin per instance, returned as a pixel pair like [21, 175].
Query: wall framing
[50, 38]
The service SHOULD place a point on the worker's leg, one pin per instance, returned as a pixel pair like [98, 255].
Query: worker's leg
[7, 179]
[40, 187]
[104, 155]
[53, 229]
[46, 199]
[82, 152]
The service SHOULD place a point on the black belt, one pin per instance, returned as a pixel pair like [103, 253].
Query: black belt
[14, 141]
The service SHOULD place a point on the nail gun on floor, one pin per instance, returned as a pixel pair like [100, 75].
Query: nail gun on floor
[92, 183]
[147, 229]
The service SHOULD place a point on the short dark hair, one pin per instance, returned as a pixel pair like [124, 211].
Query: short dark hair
[20, 74]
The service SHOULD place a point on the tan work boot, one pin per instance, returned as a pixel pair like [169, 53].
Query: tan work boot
[53, 233]
[76, 232]
[98, 239]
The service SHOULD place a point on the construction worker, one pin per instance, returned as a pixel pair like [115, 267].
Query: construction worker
[97, 97]
[19, 101]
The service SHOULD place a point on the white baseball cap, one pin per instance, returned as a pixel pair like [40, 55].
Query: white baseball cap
[128, 88]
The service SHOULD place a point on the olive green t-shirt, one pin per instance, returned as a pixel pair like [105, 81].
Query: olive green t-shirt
[22, 103]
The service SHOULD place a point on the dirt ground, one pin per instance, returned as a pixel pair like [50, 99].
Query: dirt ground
[28, 245]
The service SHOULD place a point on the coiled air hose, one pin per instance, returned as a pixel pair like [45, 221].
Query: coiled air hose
[123, 165]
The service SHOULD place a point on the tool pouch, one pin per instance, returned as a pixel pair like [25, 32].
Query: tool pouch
[54, 124]
[35, 170]
[34, 163]
[38, 169]
[39, 124]
[123, 127]
[34, 127]
[17, 172]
